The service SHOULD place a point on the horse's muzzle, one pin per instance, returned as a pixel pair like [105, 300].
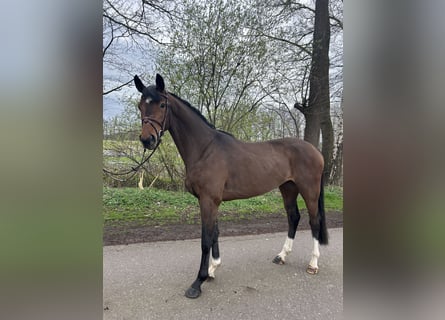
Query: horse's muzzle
[149, 143]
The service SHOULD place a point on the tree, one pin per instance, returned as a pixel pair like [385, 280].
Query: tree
[130, 35]
[337, 161]
[217, 63]
[317, 111]
[290, 24]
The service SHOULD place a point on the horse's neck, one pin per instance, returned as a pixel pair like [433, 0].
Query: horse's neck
[190, 133]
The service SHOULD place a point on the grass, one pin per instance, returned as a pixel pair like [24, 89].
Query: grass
[157, 207]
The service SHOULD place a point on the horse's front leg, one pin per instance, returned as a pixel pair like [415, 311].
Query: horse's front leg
[209, 237]
[215, 260]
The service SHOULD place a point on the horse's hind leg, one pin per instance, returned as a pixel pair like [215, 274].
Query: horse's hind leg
[314, 203]
[289, 192]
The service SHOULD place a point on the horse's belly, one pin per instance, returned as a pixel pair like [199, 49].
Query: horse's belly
[250, 188]
[234, 195]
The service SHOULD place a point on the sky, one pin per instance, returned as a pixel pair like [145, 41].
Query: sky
[111, 106]
[135, 62]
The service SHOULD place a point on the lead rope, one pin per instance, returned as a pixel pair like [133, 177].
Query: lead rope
[133, 170]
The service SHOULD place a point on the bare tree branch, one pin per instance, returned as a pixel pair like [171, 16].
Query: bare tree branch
[295, 44]
[338, 22]
[117, 88]
[160, 8]
[131, 28]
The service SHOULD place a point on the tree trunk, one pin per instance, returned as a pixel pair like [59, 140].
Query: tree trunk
[312, 128]
[327, 133]
[317, 111]
[337, 167]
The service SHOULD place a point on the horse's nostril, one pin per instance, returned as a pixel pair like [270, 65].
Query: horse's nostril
[148, 142]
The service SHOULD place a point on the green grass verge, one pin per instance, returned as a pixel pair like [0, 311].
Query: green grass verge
[154, 206]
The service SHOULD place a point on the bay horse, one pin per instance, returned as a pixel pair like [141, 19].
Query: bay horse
[221, 168]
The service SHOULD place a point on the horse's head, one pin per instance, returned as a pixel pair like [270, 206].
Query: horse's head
[154, 110]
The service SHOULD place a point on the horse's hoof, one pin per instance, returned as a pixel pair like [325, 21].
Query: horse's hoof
[192, 293]
[278, 260]
[311, 270]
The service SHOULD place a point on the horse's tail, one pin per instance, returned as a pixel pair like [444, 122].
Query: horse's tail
[323, 235]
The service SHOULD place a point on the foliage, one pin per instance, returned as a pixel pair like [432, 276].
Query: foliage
[165, 168]
[215, 62]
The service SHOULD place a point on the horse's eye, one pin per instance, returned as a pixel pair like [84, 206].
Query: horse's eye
[162, 105]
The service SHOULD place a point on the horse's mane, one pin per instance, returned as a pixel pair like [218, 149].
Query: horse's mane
[152, 93]
[194, 110]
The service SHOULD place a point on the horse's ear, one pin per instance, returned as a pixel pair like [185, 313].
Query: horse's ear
[160, 85]
[139, 85]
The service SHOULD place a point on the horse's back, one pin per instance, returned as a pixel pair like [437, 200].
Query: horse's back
[300, 150]
[295, 150]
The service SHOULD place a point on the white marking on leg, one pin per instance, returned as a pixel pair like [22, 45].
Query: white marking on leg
[287, 248]
[214, 263]
[315, 255]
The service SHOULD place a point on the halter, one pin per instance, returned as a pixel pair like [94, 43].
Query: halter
[152, 122]
[159, 134]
